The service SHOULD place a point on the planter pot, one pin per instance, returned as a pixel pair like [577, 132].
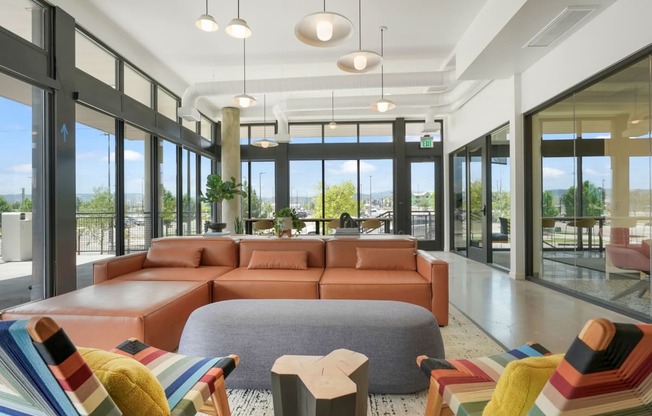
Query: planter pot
[284, 223]
[216, 226]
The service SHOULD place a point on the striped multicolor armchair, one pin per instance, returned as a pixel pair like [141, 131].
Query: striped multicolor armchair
[606, 371]
[43, 373]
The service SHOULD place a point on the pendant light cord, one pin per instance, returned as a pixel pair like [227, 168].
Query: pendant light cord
[324, 5]
[238, 9]
[359, 24]
[333, 106]
[264, 117]
[382, 66]
[206, 6]
[244, 66]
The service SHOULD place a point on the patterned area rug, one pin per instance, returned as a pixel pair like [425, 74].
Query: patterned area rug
[462, 339]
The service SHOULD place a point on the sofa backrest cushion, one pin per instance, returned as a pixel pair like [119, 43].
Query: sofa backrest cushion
[215, 251]
[342, 252]
[386, 258]
[292, 260]
[313, 246]
[179, 256]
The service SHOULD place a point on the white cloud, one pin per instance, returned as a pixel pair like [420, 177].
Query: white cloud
[366, 167]
[25, 168]
[554, 173]
[133, 156]
[351, 167]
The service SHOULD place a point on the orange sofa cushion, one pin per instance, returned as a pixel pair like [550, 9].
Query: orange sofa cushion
[386, 259]
[313, 246]
[290, 259]
[177, 256]
[342, 252]
[216, 251]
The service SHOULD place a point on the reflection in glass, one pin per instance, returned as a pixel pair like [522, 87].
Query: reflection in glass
[459, 202]
[476, 204]
[595, 242]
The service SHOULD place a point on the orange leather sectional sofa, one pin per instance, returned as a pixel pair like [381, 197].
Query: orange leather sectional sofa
[149, 295]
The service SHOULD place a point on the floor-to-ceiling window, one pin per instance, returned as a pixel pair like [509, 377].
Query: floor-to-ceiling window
[167, 193]
[189, 193]
[22, 243]
[137, 186]
[595, 242]
[95, 170]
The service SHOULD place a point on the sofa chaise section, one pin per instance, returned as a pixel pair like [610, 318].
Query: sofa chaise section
[277, 268]
[199, 259]
[421, 280]
[104, 315]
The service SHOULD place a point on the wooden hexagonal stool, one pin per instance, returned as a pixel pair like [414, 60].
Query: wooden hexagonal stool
[334, 385]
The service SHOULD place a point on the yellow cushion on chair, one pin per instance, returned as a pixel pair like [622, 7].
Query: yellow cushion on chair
[133, 388]
[520, 384]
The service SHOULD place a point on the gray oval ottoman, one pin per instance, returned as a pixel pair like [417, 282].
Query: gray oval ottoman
[391, 334]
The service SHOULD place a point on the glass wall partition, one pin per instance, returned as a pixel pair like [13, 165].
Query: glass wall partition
[189, 194]
[480, 199]
[167, 194]
[95, 185]
[22, 246]
[306, 177]
[137, 185]
[205, 168]
[166, 104]
[137, 86]
[595, 242]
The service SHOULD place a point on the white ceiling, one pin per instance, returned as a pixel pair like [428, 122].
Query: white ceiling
[424, 41]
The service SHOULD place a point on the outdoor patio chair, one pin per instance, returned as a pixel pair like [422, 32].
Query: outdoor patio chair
[606, 370]
[42, 372]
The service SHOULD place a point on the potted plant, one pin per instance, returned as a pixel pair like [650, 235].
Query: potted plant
[285, 219]
[218, 190]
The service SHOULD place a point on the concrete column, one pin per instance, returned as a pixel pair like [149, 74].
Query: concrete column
[231, 161]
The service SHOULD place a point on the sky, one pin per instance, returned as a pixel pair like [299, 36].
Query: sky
[92, 167]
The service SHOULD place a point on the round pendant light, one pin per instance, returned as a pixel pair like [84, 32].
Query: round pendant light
[323, 29]
[237, 27]
[244, 100]
[359, 61]
[206, 22]
[383, 104]
[265, 142]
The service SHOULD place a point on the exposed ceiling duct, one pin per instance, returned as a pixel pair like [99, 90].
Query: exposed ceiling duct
[188, 109]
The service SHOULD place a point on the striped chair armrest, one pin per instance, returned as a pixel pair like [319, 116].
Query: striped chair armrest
[68, 367]
[607, 370]
[188, 382]
[466, 385]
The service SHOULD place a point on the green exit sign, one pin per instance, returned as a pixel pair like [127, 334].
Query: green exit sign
[426, 142]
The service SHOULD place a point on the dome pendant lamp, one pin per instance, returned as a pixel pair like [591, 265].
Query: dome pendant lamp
[361, 60]
[382, 105]
[238, 28]
[206, 22]
[243, 100]
[265, 142]
[332, 125]
[324, 29]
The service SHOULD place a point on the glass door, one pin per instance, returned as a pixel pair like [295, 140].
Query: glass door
[500, 197]
[459, 241]
[477, 202]
[425, 212]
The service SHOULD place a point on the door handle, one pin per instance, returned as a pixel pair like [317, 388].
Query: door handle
[484, 210]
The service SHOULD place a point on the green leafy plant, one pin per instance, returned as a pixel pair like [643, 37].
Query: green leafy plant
[287, 213]
[218, 190]
[238, 226]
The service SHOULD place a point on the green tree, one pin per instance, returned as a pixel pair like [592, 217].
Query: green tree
[339, 198]
[169, 212]
[26, 205]
[476, 196]
[97, 218]
[593, 200]
[548, 205]
[4, 205]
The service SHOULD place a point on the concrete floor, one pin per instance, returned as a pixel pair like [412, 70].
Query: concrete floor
[512, 311]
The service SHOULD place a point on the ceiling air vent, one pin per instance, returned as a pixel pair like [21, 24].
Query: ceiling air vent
[558, 26]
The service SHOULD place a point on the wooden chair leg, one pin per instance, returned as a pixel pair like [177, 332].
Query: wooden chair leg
[220, 401]
[435, 400]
